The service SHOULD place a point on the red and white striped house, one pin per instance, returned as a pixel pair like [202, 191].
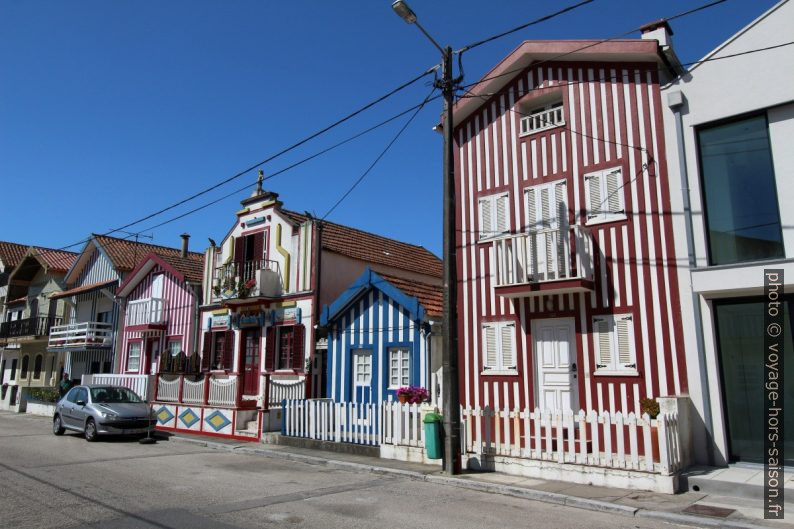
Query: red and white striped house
[567, 284]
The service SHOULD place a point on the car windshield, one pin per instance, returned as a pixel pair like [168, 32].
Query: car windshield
[108, 395]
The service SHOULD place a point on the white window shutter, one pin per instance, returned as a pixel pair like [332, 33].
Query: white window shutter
[546, 208]
[614, 193]
[489, 332]
[502, 208]
[531, 208]
[508, 347]
[594, 207]
[626, 356]
[486, 220]
[561, 204]
[603, 343]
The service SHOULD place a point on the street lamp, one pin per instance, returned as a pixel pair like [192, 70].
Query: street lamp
[449, 362]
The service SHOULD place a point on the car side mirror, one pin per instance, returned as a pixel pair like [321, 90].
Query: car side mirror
[80, 403]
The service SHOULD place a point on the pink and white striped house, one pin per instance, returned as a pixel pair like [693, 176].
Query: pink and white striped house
[567, 284]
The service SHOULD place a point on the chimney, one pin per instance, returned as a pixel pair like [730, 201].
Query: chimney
[185, 238]
[658, 30]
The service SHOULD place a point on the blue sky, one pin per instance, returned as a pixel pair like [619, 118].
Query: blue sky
[110, 111]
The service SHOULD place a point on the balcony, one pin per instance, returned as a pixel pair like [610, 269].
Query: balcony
[239, 280]
[28, 327]
[149, 313]
[86, 334]
[547, 261]
[542, 120]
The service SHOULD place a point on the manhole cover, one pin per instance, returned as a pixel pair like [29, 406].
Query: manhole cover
[708, 510]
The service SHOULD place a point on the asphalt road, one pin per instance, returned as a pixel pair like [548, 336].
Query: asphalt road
[63, 482]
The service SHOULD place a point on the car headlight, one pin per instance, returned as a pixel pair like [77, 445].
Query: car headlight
[108, 415]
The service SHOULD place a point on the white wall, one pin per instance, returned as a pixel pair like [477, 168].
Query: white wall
[714, 91]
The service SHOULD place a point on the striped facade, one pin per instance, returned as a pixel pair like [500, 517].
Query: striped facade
[369, 326]
[612, 120]
[179, 321]
[85, 306]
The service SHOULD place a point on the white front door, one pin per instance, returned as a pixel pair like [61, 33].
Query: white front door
[555, 357]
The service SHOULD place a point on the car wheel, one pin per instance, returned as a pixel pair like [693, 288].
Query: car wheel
[57, 426]
[90, 431]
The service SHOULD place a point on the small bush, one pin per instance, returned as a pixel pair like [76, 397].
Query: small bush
[649, 406]
[48, 395]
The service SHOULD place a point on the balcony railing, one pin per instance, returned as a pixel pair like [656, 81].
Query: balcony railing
[90, 333]
[36, 326]
[543, 256]
[149, 311]
[542, 120]
[260, 277]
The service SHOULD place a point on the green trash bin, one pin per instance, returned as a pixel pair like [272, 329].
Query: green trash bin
[433, 435]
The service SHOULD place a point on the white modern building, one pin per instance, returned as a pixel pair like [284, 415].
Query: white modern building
[729, 130]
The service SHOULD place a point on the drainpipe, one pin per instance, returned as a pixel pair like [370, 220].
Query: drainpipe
[197, 289]
[676, 102]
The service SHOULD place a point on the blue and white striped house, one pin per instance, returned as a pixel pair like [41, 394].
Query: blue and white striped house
[384, 332]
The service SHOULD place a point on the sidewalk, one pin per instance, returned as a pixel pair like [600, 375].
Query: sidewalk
[690, 508]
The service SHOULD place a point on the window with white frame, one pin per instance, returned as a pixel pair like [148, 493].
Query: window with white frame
[614, 344]
[546, 206]
[399, 367]
[499, 346]
[174, 346]
[604, 196]
[494, 215]
[133, 356]
[362, 367]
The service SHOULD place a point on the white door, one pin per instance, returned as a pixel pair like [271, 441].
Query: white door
[555, 356]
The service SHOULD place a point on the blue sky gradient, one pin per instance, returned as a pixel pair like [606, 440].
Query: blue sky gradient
[110, 111]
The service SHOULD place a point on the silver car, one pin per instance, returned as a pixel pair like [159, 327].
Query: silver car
[95, 410]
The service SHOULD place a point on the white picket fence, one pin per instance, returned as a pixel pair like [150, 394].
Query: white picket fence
[285, 390]
[193, 391]
[223, 391]
[350, 422]
[142, 385]
[168, 388]
[592, 439]
[616, 440]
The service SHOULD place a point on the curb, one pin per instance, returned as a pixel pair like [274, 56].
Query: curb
[493, 488]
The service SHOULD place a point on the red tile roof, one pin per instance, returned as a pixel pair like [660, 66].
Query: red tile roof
[125, 255]
[81, 289]
[371, 248]
[12, 253]
[430, 296]
[56, 260]
[192, 266]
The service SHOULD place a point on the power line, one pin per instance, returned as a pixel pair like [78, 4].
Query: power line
[377, 158]
[523, 26]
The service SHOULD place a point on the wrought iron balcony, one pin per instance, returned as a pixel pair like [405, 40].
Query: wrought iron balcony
[86, 334]
[28, 327]
[260, 277]
[547, 261]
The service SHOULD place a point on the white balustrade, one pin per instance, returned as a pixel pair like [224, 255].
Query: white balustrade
[81, 334]
[542, 120]
[140, 384]
[193, 391]
[146, 311]
[168, 388]
[223, 390]
[543, 255]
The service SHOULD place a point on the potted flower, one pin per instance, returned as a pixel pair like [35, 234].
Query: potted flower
[651, 407]
[412, 394]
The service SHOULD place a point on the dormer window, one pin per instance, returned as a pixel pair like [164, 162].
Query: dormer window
[543, 118]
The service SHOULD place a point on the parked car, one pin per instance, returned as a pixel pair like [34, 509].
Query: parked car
[95, 410]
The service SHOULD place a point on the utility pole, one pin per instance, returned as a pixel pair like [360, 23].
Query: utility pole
[449, 361]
